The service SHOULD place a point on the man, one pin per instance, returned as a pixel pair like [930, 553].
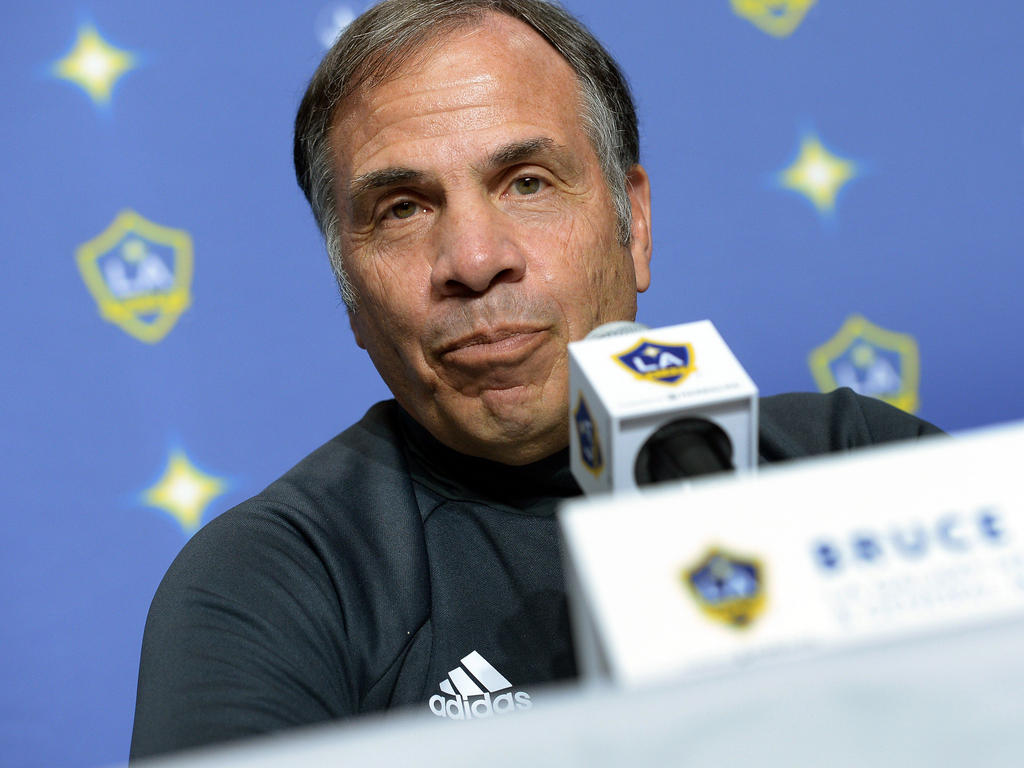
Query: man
[473, 166]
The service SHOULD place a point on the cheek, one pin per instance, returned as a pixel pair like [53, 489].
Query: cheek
[387, 317]
[590, 264]
[390, 285]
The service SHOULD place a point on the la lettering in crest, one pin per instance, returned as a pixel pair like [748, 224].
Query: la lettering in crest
[655, 361]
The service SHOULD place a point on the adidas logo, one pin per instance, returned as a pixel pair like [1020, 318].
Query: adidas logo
[468, 692]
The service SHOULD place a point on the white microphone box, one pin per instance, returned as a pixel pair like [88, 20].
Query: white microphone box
[624, 388]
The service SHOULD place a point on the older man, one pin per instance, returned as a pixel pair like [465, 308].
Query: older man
[473, 167]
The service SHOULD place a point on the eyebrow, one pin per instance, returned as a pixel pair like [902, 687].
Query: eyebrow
[385, 177]
[508, 154]
[518, 151]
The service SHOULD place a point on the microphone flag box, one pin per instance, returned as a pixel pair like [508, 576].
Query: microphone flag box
[886, 543]
[624, 388]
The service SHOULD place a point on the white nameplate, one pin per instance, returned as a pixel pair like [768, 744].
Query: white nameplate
[801, 557]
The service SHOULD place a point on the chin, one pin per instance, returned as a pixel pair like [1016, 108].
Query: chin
[516, 435]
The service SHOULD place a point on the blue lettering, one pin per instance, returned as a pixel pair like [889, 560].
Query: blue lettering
[951, 532]
[913, 546]
[947, 533]
[827, 556]
[866, 547]
[990, 526]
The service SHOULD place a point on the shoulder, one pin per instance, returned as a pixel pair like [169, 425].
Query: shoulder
[358, 470]
[311, 585]
[804, 424]
[324, 520]
[354, 480]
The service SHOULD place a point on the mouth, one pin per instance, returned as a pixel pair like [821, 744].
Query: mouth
[499, 347]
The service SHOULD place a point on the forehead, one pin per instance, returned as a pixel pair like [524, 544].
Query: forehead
[489, 73]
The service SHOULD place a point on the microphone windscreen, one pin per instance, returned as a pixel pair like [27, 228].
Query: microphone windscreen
[616, 328]
[681, 449]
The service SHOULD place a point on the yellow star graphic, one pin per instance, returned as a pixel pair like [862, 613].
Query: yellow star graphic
[817, 174]
[184, 491]
[776, 17]
[93, 64]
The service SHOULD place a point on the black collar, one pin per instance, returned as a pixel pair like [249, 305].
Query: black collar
[534, 489]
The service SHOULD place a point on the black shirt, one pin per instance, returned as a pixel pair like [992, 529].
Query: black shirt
[356, 581]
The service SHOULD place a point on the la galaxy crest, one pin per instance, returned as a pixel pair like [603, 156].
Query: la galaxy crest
[728, 588]
[654, 361]
[776, 17]
[140, 275]
[871, 361]
[589, 440]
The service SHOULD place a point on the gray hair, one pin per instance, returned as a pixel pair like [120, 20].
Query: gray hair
[375, 46]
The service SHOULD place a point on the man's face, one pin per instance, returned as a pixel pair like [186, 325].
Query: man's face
[480, 237]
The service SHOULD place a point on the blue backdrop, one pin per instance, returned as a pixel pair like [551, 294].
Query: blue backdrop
[837, 185]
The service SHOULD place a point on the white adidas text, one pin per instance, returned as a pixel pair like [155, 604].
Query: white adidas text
[479, 707]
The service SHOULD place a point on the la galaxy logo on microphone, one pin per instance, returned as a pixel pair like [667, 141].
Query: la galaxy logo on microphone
[589, 440]
[728, 588]
[654, 361]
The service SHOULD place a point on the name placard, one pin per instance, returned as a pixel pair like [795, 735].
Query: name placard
[799, 558]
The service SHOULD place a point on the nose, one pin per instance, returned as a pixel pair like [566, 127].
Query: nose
[477, 249]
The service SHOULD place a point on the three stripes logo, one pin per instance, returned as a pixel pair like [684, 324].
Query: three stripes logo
[476, 690]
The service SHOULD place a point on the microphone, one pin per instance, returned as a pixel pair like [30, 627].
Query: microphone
[649, 406]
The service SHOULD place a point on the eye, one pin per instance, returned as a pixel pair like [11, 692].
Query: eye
[527, 185]
[404, 209]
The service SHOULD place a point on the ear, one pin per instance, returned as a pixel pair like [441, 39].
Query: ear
[353, 323]
[638, 186]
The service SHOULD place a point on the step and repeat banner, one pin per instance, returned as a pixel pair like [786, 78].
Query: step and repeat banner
[839, 186]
